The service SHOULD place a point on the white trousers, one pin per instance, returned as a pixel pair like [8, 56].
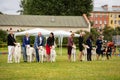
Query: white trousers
[10, 53]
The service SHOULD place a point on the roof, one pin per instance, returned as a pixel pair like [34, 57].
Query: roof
[43, 21]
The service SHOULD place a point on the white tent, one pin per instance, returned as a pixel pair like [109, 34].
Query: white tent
[58, 33]
[61, 34]
[34, 32]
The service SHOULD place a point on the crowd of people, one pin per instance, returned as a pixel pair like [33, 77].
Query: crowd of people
[102, 47]
[39, 41]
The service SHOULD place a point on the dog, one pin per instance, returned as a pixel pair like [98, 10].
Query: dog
[85, 52]
[73, 53]
[52, 54]
[30, 51]
[17, 53]
[94, 53]
[42, 54]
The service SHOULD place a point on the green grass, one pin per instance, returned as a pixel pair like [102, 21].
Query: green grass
[3, 49]
[61, 69]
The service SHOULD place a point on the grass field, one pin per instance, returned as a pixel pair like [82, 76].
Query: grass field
[61, 69]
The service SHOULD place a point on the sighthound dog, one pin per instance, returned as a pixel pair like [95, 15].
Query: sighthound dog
[17, 53]
[74, 53]
[30, 53]
[94, 53]
[53, 54]
[42, 54]
[85, 52]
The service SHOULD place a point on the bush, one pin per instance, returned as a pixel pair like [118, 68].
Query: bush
[3, 36]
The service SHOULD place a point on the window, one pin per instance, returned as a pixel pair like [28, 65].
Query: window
[115, 16]
[96, 22]
[100, 22]
[96, 15]
[115, 22]
[119, 22]
[111, 21]
[105, 22]
[105, 16]
[118, 16]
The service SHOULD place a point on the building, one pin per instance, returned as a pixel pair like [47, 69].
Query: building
[25, 22]
[114, 17]
[105, 16]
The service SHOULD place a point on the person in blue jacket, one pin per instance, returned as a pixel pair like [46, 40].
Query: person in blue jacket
[89, 43]
[39, 41]
[26, 41]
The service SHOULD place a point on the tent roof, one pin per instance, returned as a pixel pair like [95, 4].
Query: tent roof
[34, 32]
[57, 33]
[62, 33]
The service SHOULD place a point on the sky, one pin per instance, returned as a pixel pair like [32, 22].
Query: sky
[12, 6]
[98, 3]
[9, 6]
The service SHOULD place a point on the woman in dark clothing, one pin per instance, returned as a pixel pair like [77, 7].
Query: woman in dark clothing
[81, 46]
[89, 43]
[69, 46]
[11, 45]
[99, 47]
[50, 43]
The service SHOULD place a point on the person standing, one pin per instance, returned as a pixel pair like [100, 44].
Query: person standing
[11, 45]
[39, 41]
[49, 44]
[69, 46]
[99, 47]
[26, 41]
[81, 45]
[110, 45]
[89, 43]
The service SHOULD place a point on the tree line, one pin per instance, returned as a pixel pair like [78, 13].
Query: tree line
[108, 33]
[57, 7]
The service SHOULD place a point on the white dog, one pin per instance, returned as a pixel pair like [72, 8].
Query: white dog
[94, 53]
[85, 52]
[17, 53]
[30, 53]
[73, 53]
[42, 54]
[53, 54]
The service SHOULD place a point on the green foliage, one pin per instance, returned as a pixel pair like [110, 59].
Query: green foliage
[3, 36]
[1, 13]
[57, 7]
[109, 32]
[95, 34]
[20, 39]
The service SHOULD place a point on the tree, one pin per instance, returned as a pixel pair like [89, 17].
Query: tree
[1, 13]
[108, 32]
[57, 7]
[3, 37]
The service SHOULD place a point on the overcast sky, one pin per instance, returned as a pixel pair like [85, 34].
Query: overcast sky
[98, 3]
[12, 6]
[9, 6]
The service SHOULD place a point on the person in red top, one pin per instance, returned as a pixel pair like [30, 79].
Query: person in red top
[49, 44]
[69, 45]
[110, 45]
